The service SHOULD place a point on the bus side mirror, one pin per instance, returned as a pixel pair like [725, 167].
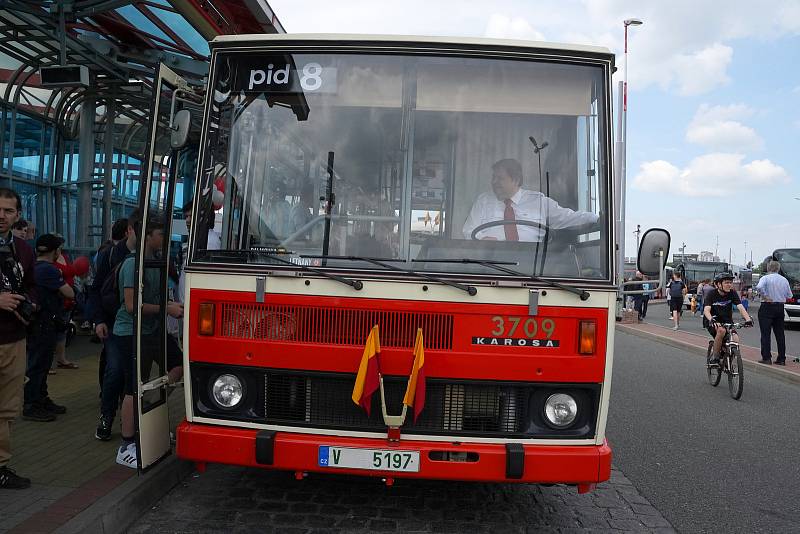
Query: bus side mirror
[653, 252]
[181, 123]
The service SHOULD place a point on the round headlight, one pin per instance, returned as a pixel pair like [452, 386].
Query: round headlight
[560, 410]
[227, 391]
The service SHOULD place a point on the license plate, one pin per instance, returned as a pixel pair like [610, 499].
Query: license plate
[376, 459]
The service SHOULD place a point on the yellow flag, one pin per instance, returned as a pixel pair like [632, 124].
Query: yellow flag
[415, 391]
[368, 377]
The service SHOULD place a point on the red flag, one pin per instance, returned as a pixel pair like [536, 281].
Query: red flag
[415, 391]
[368, 377]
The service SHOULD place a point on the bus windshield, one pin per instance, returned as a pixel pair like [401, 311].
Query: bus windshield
[409, 159]
[790, 265]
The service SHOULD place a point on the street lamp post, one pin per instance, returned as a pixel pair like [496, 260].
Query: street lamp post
[623, 138]
[627, 22]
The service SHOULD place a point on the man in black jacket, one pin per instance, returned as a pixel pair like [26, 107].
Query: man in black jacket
[16, 282]
[108, 256]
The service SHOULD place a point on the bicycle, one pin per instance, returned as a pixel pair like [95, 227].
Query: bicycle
[730, 361]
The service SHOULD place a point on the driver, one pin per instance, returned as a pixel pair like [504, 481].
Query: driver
[509, 201]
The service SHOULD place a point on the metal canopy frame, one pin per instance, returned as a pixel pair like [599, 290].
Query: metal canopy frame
[123, 59]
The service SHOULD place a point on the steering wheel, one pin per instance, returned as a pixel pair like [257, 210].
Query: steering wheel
[506, 222]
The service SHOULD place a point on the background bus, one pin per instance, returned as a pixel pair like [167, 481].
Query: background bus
[790, 268]
[694, 272]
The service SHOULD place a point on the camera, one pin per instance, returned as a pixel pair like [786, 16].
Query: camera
[26, 310]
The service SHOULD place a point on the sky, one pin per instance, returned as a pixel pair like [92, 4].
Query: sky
[713, 104]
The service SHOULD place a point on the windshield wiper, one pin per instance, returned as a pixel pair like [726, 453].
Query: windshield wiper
[471, 290]
[497, 265]
[275, 255]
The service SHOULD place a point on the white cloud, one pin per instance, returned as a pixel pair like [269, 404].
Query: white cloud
[684, 46]
[719, 128]
[716, 174]
[655, 176]
[503, 27]
[702, 71]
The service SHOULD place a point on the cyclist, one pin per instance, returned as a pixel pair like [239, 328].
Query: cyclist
[718, 309]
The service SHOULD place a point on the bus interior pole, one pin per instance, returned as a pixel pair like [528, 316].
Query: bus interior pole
[330, 199]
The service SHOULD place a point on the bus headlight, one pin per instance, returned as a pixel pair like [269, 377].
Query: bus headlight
[560, 410]
[227, 391]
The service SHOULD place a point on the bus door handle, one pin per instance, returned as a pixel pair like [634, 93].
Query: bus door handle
[159, 382]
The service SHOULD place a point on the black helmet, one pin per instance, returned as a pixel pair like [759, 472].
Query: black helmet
[723, 276]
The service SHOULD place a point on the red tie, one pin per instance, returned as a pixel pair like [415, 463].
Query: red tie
[510, 229]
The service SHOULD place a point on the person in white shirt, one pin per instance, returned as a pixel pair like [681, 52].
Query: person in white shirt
[775, 291]
[509, 201]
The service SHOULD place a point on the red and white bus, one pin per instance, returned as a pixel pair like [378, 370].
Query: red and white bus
[362, 258]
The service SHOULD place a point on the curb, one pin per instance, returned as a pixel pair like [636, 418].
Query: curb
[768, 370]
[115, 511]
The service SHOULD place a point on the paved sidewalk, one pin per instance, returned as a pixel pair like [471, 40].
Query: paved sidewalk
[699, 344]
[69, 469]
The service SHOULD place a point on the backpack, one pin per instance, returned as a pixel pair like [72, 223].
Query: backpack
[109, 293]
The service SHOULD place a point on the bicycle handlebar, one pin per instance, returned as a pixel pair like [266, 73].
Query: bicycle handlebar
[733, 326]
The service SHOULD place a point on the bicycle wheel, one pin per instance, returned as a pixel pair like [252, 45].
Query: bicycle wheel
[714, 373]
[735, 373]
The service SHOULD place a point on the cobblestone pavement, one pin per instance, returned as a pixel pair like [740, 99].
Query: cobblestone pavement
[233, 499]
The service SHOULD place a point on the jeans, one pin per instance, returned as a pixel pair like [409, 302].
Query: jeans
[41, 346]
[119, 373]
[638, 301]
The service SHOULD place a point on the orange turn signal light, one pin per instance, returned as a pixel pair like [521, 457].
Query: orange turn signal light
[587, 337]
[205, 319]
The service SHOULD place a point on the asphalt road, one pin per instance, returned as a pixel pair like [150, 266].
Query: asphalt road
[657, 314]
[708, 463]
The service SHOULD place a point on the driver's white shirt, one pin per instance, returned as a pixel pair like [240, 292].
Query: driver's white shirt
[528, 206]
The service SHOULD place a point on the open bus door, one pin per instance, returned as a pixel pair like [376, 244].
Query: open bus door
[156, 351]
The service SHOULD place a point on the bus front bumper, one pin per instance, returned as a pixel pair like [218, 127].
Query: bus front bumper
[581, 465]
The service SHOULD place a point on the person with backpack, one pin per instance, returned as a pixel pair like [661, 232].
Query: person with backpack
[676, 290]
[122, 346]
[102, 308]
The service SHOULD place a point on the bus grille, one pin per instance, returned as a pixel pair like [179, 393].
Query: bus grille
[337, 326]
[469, 408]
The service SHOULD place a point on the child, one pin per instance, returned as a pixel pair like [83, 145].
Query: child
[745, 302]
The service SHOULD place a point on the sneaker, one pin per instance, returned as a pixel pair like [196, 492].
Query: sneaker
[103, 432]
[713, 359]
[780, 362]
[52, 407]
[37, 413]
[675, 327]
[765, 362]
[127, 456]
[10, 480]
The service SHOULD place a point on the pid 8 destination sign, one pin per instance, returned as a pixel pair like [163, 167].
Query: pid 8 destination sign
[279, 74]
